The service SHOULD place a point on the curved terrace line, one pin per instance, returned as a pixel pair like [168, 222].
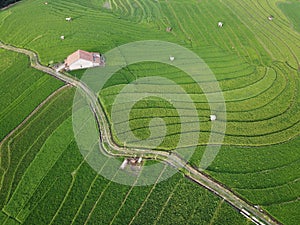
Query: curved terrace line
[174, 160]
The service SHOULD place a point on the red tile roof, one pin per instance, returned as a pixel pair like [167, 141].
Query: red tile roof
[80, 54]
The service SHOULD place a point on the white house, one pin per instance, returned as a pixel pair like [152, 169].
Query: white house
[83, 59]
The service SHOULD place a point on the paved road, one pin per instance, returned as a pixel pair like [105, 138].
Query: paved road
[255, 214]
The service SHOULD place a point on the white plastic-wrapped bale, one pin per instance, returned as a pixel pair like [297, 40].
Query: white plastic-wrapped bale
[213, 117]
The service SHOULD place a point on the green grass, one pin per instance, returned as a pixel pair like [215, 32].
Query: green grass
[291, 10]
[266, 176]
[22, 89]
[121, 204]
[262, 112]
[51, 150]
[255, 61]
[44, 32]
[64, 189]
[27, 141]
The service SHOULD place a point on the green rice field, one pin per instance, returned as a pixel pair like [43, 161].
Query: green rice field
[45, 180]
[22, 90]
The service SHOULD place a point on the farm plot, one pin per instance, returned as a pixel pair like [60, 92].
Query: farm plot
[64, 189]
[254, 59]
[258, 175]
[22, 89]
[30, 154]
[90, 29]
[265, 176]
[92, 199]
[291, 10]
[19, 150]
[264, 111]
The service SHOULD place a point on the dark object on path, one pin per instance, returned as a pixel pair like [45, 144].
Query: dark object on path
[4, 3]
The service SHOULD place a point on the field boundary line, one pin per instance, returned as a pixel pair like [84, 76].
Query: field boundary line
[42, 178]
[100, 196]
[42, 197]
[216, 213]
[246, 25]
[24, 122]
[177, 20]
[32, 113]
[69, 189]
[29, 147]
[125, 198]
[20, 97]
[105, 133]
[287, 202]
[64, 199]
[87, 193]
[147, 197]
[200, 198]
[293, 54]
[167, 202]
[270, 187]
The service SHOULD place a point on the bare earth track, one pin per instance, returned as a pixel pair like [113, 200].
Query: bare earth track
[194, 174]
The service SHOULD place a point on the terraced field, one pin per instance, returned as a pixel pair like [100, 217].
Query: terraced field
[261, 102]
[268, 182]
[30, 88]
[255, 60]
[45, 180]
[32, 153]
[291, 9]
